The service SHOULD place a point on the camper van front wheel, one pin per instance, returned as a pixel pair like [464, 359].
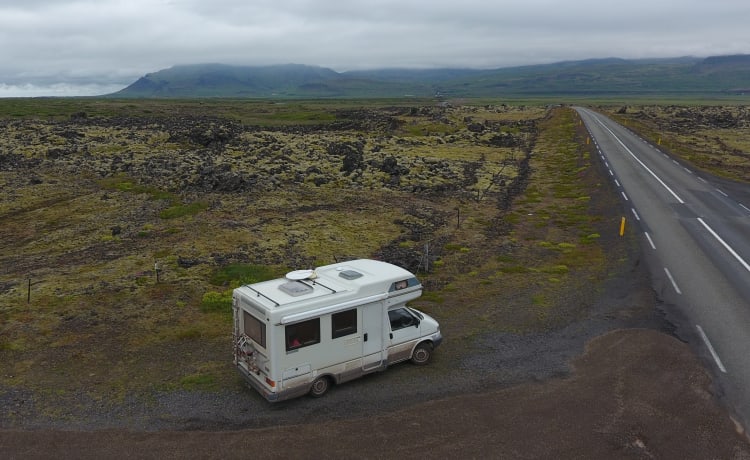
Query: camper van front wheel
[320, 387]
[422, 354]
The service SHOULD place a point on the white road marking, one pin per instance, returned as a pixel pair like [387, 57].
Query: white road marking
[726, 246]
[745, 207]
[703, 180]
[635, 213]
[688, 171]
[722, 192]
[617, 183]
[650, 241]
[674, 284]
[677, 197]
[624, 196]
[611, 173]
[711, 349]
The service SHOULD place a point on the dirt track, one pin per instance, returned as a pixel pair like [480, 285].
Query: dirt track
[634, 394]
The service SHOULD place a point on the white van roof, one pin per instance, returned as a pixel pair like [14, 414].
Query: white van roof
[338, 286]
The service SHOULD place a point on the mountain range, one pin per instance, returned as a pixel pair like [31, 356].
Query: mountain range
[611, 76]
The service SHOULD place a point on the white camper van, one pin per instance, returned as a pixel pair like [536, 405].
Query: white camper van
[314, 328]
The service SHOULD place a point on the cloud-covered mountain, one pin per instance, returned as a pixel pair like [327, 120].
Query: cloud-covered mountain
[677, 76]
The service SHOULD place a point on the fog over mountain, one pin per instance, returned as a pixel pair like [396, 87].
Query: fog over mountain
[92, 46]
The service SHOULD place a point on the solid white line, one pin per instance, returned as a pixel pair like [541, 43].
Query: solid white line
[635, 213]
[669, 275]
[711, 349]
[722, 192]
[624, 196]
[641, 163]
[726, 246]
[650, 241]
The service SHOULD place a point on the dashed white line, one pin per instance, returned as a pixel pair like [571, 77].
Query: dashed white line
[624, 196]
[635, 213]
[703, 180]
[744, 207]
[611, 173]
[671, 280]
[617, 183]
[722, 192]
[687, 170]
[711, 349]
[650, 241]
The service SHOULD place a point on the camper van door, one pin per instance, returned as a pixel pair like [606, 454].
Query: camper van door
[372, 335]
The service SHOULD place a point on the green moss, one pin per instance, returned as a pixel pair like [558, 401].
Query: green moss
[213, 301]
[181, 210]
[556, 269]
[240, 274]
[198, 382]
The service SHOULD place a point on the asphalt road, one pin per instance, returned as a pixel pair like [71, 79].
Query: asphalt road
[697, 238]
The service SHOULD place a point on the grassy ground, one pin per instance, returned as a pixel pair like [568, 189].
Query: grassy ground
[88, 236]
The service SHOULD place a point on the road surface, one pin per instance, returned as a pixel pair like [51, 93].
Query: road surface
[697, 239]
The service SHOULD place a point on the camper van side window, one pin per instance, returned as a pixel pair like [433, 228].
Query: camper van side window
[302, 334]
[254, 329]
[344, 323]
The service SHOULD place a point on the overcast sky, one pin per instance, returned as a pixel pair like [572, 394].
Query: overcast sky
[88, 47]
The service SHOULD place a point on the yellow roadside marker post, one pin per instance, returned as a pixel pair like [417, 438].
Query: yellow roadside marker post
[622, 227]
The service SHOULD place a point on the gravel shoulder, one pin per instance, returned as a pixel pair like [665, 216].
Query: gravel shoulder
[635, 393]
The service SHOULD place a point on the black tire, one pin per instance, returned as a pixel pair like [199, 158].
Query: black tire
[320, 387]
[422, 354]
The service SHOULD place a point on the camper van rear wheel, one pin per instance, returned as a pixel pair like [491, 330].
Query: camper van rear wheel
[320, 387]
[422, 354]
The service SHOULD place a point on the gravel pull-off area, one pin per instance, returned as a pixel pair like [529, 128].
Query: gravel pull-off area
[634, 394]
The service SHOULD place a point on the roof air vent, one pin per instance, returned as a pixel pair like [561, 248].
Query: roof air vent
[295, 288]
[350, 274]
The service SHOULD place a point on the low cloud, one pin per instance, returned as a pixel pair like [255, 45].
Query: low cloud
[118, 41]
[57, 90]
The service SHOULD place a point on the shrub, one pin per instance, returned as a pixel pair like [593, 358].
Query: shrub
[217, 301]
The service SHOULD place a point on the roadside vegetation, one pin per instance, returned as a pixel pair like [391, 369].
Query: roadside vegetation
[716, 139]
[126, 224]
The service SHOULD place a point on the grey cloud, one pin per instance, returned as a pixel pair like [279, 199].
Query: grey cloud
[115, 42]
